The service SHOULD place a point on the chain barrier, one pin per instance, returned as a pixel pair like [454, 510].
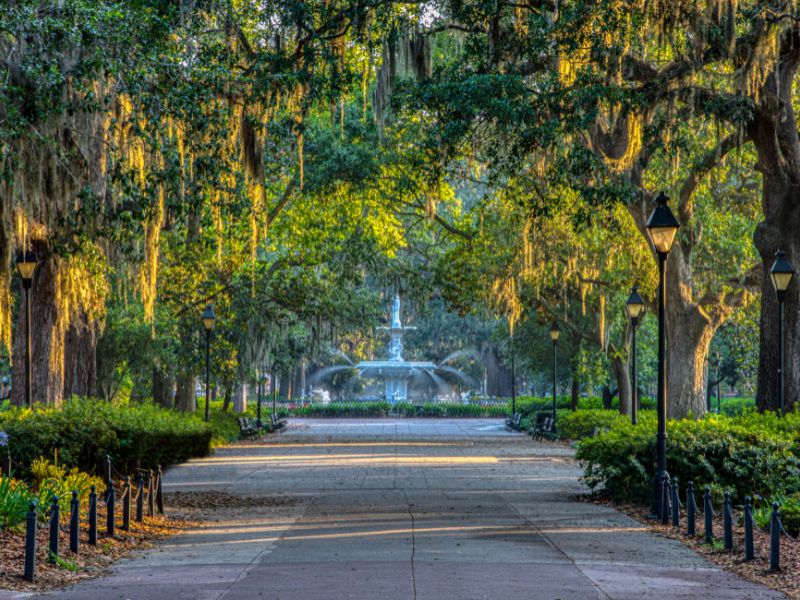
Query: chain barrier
[152, 492]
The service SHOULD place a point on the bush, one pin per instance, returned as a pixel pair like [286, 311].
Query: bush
[85, 431]
[14, 499]
[751, 454]
[585, 423]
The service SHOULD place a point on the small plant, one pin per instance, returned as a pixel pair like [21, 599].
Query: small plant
[14, 499]
[64, 563]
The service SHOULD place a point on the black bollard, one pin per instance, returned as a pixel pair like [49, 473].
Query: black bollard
[140, 498]
[30, 542]
[159, 491]
[691, 509]
[126, 505]
[665, 501]
[55, 517]
[775, 539]
[74, 523]
[151, 495]
[111, 500]
[675, 500]
[93, 516]
[727, 521]
[749, 550]
[708, 515]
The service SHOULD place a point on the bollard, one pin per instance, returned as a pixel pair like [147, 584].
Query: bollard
[159, 492]
[140, 498]
[691, 509]
[749, 551]
[30, 542]
[151, 495]
[55, 517]
[675, 501]
[111, 502]
[708, 515]
[775, 539]
[74, 522]
[126, 505]
[665, 500]
[727, 521]
[93, 516]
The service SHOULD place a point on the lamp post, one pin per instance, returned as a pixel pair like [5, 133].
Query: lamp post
[513, 380]
[635, 307]
[554, 333]
[208, 322]
[662, 227]
[781, 274]
[26, 266]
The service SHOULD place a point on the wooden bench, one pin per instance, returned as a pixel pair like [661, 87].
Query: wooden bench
[513, 422]
[544, 428]
[277, 422]
[248, 428]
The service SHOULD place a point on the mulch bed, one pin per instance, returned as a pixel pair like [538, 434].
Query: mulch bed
[91, 561]
[787, 580]
[213, 499]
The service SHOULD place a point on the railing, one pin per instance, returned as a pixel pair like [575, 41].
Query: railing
[148, 493]
[671, 515]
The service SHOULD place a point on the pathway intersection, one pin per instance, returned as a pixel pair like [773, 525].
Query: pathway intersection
[406, 510]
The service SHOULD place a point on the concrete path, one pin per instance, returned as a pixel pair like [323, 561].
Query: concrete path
[407, 510]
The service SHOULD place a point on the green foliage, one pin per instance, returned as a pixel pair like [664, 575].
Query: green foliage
[50, 481]
[85, 431]
[450, 410]
[747, 455]
[585, 423]
[342, 409]
[14, 499]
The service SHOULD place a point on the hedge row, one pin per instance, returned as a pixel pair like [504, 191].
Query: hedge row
[383, 409]
[747, 454]
[85, 431]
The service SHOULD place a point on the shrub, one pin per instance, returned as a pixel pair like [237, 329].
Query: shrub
[585, 423]
[85, 431]
[752, 454]
[14, 499]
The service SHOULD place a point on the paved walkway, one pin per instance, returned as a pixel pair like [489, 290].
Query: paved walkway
[406, 510]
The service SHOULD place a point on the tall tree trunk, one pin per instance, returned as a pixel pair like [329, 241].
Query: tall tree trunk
[240, 399]
[162, 388]
[498, 376]
[185, 399]
[621, 375]
[283, 386]
[575, 392]
[48, 325]
[80, 360]
[226, 403]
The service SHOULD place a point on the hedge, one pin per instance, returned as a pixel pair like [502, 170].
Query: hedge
[85, 431]
[748, 454]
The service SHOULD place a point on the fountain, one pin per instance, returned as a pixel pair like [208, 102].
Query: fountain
[396, 372]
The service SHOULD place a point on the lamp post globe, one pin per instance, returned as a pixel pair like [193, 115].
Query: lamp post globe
[26, 267]
[634, 306]
[781, 274]
[555, 331]
[208, 319]
[661, 227]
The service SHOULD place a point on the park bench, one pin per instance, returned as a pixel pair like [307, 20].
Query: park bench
[544, 428]
[248, 428]
[277, 422]
[513, 422]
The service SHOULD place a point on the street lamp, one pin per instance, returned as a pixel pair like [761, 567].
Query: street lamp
[635, 307]
[262, 390]
[554, 333]
[662, 227]
[26, 266]
[208, 322]
[781, 274]
[513, 379]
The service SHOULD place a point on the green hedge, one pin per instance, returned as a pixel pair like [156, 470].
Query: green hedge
[532, 404]
[748, 454]
[85, 431]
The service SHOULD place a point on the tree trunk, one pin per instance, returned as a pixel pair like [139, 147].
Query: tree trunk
[185, 399]
[226, 403]
[47, 337]
[162, 389]
[240, 398]
[621, 375]
[80, 360]
[283, 386]
[575, 392]
[498, 376]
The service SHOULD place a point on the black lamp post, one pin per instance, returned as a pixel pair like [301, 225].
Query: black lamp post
[26, 266]
[635, 307]
[554, 333]
[208, 322]
[781, 274]
[262, 390]
[513, 379]
[662, 227]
